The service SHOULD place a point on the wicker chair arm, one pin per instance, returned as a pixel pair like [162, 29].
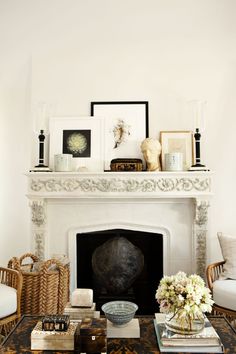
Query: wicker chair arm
[10, 277]
[14, 279]
[213, 272]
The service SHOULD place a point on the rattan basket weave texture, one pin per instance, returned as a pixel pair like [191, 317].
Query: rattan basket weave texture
[45, 291]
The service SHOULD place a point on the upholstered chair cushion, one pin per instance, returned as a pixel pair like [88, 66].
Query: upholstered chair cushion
[228, 248]
[224, 293]
[8, 300]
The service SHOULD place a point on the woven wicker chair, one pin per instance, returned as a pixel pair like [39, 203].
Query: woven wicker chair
[13, 279]
[213, 273]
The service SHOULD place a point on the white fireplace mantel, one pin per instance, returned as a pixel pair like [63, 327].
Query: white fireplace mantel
[154, 186]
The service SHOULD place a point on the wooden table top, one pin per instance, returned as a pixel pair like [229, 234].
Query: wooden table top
[18, 341]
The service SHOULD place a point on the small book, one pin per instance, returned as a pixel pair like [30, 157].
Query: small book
[79, 313]
[208, 336]
[70, 308]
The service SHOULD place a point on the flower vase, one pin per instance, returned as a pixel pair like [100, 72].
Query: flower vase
[185, 325]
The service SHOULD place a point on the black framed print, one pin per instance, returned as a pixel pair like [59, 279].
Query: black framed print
[125, 127]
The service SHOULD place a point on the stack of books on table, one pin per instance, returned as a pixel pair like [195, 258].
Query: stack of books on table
[207, 341]
[79, 313]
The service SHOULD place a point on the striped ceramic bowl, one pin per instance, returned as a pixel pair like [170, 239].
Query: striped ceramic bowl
[119, 312]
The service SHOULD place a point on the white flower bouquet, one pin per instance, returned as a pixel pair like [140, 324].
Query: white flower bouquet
[186, 298]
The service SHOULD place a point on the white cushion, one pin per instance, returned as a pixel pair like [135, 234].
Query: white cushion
[8, 300]
[228, 248]
[224, 293]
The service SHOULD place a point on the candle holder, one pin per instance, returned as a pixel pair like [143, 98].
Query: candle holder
[41, 167]
[197, 109]
[198, 166]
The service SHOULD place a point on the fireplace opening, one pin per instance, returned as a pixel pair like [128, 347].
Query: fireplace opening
[133, 259]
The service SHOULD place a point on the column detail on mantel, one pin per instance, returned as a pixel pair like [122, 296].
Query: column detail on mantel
[150, 187]
[200, 235]
[39, 226]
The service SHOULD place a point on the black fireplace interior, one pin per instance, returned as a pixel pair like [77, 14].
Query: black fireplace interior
[143, 288]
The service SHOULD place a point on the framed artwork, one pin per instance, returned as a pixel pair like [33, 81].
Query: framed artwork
[125, 127]
[177, 141]
[80, 136]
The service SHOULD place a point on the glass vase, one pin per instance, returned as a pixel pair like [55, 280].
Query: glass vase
[184, 325]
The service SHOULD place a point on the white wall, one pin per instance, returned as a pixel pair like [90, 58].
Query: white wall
[72, 52]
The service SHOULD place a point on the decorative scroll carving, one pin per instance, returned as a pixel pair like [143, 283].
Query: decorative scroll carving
[38, 217]
[120, 185]
[201, 217]
[39, 248]
[201, 253]
[200, 230]
[38, 213]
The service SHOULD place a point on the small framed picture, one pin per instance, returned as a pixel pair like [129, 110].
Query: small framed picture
[177, 141]
[125, 127]
[80, 136]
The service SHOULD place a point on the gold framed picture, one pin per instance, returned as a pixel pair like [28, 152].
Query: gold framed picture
[177, 141]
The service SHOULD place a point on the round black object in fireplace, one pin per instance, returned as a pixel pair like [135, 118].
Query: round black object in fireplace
[116, 264]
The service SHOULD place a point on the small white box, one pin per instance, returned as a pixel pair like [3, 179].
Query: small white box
[82, 298]
[53, 340]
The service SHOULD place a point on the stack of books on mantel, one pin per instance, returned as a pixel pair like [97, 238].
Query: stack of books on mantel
[207, 341]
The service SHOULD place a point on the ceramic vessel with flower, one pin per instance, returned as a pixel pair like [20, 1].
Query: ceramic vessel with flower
[184, 299]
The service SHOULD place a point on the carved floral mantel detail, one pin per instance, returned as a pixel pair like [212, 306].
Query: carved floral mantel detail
[119, 185]
[200, 232]
[153, 185]
[181, 184]
[38, 218]
[38, 212]
[201, 216]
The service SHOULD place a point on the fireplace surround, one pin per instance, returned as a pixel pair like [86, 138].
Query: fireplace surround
[173, 204]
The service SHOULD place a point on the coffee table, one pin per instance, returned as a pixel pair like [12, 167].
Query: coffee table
[18, 341]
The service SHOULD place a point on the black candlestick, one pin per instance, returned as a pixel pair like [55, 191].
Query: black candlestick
[41, 149]
[197, 166]
[41, 167]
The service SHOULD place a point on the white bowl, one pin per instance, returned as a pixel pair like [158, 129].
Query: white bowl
[119, 312]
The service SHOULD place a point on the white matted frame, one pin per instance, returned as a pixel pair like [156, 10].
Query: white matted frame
[177, 141]
[89, 130]
[125, 127]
